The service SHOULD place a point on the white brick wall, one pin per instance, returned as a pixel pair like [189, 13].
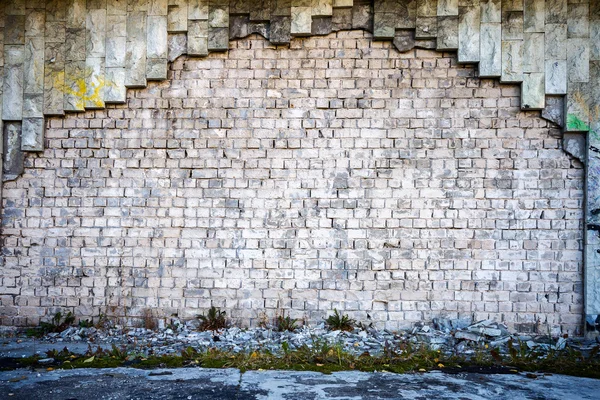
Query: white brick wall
[336, 173]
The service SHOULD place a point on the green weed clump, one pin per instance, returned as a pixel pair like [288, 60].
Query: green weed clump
[283, 323]
[341, 322]
[214, 320]
[58, 323]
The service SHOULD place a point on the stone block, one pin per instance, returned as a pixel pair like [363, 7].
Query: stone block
[280, 30]
[578, 60]
[14, 29]
[160, 7]
[33, 105]
[218, 39]
[156, 69]
[533, 51]
[75, 45]
[490, 63]
[177, 17]
[115, 91]
[404, 40]
[362, 15]
[447, 38]
[578, 23]
[512, 25]
[135, 56]
[198, 9]
[32, 136]
[534, 13]
[301, 22]
[76, 14]
[322, 8]
[55, 31]
[321, 26]
[94, 82]
[197, 41]
[491, 11]
[95, 37]
[426, 28]
[384, 25]
[35, 23]
[13, 156]
[177, 45]
[556, 12]
[341, 19]
[556, 76]
[74, 86]
[261, 11]
[157, 37]
[33, 79]
[447, 8]
[12, 103]
[218, 16]
[116, 7]
[533, 94]
[469, 21]
[54, 79]
[512, 61]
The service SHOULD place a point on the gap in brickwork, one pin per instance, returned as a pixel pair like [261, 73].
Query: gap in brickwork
[336, 173]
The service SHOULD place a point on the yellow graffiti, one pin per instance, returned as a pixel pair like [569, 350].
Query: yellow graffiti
[84, 87]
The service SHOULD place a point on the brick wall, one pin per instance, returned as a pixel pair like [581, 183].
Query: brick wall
[334, 173]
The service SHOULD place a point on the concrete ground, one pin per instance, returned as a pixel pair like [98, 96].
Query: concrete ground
[199, 383]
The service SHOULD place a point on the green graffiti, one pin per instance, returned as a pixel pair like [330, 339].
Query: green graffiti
[576, 124]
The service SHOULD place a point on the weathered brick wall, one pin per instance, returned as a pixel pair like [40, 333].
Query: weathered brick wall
[336, 173]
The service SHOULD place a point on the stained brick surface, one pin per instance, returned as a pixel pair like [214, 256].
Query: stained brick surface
[334, 173]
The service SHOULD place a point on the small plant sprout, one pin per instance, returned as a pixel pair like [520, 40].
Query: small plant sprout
[215, 319]
[341, 322]
[283, 323]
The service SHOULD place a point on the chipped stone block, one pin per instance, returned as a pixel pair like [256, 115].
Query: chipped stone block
[574, 144]
[32, 136]
[177, 45]
[260, 28]
[404, 40]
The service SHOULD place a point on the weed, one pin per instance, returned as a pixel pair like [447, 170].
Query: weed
[56, 324]
[213, 320]
[340, 322]
[283, 323]
[148, 319]
[85, 323]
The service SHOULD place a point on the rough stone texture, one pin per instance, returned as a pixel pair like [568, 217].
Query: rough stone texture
[394, 185]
